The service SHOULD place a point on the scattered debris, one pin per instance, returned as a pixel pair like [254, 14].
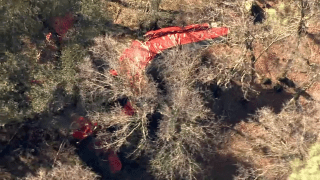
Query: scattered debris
[87, 128]
[140, 54]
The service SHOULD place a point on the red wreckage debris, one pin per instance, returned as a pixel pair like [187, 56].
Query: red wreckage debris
[140, 53]
[62, 24]
[87, 128]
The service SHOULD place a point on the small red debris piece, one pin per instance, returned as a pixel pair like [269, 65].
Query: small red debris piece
[49, 37]
[114, 162]
[86, 128]
[128, 109]
[36, 82]
[79, 135]
[62, 24]
[113, 72]
[50, 42]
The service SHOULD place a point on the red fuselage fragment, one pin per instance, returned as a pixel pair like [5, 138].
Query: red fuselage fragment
[140, 54]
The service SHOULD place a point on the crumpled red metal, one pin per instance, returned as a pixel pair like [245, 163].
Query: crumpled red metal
[85, 130]
[141, 53]
[128, 109]
[61, 25]
[114, 162]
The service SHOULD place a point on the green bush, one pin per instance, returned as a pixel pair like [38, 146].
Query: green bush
[27, 87]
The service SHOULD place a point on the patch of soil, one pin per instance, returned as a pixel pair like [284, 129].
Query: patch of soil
[314, 90]
[222, 166]
[282, 61]
[229, 104]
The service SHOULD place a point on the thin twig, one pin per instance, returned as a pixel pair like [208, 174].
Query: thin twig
[55, 159]
[274, 41]
[124, 138]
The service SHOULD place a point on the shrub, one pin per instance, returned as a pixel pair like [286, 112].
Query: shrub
[169, 87]
[63, 172]
[31, 72]
[101, 92]
[180, 135]
[309, 168]
[272, 141]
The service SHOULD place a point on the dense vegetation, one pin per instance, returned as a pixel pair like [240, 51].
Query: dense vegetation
[245, 106]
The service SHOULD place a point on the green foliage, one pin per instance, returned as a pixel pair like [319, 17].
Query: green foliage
[23, 42]
[52, 77]
[93, 9]
[20, 97]
[14, 88]
[309, 169]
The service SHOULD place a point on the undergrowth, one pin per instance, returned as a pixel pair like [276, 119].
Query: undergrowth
[181, 120]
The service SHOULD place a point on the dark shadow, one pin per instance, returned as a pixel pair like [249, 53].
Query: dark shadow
[230, 105]
[23, 148]
[98, 64]
[33, 143]
[222, 167]
[153, 70]
[98, 161]
[306, 95]
[154, 120]
[88, 154]
[133, 169]
[258, 13]
[287, 82]
[314, 37]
